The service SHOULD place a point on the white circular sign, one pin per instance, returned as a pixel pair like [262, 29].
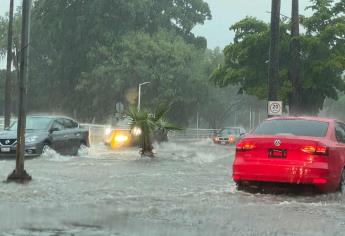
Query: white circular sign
[275, 108]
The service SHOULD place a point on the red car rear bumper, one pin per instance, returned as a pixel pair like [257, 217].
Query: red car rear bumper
[316, 172]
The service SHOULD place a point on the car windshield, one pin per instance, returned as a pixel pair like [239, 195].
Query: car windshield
[34, 123]
[296, 127]
[123, 122]
[230, 131]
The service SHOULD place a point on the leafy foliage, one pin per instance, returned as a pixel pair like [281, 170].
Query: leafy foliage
[322, 57]
[85, 56]
[97, 52]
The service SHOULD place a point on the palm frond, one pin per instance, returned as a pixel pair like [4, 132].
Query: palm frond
[160, 112]
[136, 117]
[165, 125]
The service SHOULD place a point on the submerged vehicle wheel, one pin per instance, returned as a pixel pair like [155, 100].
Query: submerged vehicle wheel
[240, 186]
[45, 148]
[82, 150]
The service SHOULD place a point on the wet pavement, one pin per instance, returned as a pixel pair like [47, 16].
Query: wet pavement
[186, 190]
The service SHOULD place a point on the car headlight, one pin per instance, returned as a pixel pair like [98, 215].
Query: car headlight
[136, 131]
[107, 131]
[121, 138]
[31, 139]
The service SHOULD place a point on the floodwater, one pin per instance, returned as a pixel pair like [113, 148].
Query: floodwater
[186, 190]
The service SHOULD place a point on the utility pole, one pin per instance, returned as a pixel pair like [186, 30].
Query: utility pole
[273, 72]
[295, 60]
[19, 174]
[8, 87]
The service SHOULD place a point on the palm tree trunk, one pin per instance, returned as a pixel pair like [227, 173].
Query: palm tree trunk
[146, 143]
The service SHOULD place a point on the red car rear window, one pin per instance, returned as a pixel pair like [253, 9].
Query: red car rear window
[296, 127]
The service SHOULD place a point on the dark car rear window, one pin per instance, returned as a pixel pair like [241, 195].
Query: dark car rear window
[310, 128]
[230, 131]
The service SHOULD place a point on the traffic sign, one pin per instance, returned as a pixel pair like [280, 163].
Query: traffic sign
[275, 108]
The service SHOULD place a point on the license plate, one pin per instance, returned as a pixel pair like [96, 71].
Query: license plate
[223, 142]
[276, 153]
[5, 149]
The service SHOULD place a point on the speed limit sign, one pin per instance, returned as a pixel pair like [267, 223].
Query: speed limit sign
[275, 108]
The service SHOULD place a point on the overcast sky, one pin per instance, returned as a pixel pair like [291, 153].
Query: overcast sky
[225, 13]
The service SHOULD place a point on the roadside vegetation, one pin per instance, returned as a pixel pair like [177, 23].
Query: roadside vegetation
[95, 53]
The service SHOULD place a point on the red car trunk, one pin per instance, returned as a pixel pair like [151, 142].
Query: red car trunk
[290, 162]
[283, 148]
[299, 150]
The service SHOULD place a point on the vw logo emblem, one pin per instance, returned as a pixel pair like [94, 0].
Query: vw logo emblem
[277, 142]
[7, 142]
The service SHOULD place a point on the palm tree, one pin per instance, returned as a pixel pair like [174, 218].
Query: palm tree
[147, 124]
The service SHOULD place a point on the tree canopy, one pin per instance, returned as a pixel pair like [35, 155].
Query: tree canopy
[85, 56]
[97, 52]
[322, 57]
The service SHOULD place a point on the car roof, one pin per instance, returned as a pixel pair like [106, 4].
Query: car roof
[232, 127]
[311, 118]
[50, 116]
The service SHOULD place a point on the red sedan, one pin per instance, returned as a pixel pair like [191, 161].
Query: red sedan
[296, 150]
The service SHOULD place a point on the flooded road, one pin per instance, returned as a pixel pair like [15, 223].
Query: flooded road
[186, 190]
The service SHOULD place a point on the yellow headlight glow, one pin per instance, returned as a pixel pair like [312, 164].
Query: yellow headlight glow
[121, 138]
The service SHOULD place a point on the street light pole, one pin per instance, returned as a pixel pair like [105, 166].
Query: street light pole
[139, 93]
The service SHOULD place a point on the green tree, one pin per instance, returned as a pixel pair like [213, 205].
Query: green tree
[163, 58]
[71, 40]
[322, 57]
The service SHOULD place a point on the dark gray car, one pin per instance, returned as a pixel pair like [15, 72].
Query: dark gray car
[62, 134]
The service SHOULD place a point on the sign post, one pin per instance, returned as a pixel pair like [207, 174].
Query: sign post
[275, 108]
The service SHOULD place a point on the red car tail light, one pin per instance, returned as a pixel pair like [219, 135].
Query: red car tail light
[231, 139]
[316, 150]
[244, 146]
[319, 181]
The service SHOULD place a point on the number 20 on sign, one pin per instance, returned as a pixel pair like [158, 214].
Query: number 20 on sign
[275, 108]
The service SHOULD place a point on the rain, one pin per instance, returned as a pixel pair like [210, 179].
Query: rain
[146, 105]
